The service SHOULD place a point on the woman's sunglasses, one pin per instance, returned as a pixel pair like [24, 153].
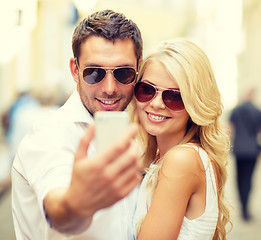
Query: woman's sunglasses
[145, 92]
[94, 75]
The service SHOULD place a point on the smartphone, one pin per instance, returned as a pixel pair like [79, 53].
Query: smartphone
[109, 125]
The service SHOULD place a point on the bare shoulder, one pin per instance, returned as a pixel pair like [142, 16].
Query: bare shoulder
[182, 159]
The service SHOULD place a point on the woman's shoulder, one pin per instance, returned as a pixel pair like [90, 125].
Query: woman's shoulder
[183, 158]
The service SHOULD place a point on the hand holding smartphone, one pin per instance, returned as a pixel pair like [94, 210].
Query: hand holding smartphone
[108, 127]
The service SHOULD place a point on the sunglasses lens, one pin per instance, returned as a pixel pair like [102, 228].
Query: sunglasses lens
[144, 92]
[172, 99]
[93, 75]
[124, 75]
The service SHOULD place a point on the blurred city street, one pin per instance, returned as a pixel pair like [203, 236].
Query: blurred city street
[245, 230]
[35, 52]
[241, 231]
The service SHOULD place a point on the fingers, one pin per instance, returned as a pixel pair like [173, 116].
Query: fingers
[111, 195]
[81, 151]
[128, 161]
[126, 171]
[121, 176]
[103, 180]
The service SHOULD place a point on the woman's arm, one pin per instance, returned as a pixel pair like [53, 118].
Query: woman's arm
[179, 179]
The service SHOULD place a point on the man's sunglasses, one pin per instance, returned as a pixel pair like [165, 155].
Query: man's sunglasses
[145, 92]
[94, 75]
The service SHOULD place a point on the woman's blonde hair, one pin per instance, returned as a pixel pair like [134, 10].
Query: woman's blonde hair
[189, 66]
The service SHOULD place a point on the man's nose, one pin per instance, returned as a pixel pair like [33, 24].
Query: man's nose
[109, 83]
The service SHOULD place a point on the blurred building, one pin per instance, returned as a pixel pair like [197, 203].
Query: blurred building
[35, 44]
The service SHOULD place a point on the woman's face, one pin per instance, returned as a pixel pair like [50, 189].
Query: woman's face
[158, 120]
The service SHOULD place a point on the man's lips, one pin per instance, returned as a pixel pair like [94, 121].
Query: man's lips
[108, 102]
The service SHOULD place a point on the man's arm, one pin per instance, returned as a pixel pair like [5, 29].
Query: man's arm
[96, 183]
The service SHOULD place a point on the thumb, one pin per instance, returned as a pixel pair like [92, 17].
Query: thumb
[84, 143]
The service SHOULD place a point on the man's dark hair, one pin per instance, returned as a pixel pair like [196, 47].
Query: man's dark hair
[110, 25]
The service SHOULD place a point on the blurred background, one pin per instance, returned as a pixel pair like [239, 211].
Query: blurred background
[35, 48]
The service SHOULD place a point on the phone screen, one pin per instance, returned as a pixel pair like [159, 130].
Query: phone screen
[108, 127]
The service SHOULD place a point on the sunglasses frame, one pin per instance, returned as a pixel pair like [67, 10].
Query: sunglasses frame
[112, 69]
[160, 89]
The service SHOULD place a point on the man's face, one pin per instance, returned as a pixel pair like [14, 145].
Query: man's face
[109, 94]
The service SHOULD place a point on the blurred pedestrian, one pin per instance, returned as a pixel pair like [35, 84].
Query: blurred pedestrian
[29, 106]
[246, 123]
[13, 132]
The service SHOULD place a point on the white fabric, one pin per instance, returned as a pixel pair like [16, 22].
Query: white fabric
[22, 122]
[201, 228]
[43, 162]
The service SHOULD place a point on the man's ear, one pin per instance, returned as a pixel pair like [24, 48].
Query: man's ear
[74, 70]
[139, 63]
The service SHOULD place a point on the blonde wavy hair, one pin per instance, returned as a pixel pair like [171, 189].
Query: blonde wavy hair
[191, 69]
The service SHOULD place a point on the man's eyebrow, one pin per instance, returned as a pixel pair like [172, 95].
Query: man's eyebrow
[98, 65]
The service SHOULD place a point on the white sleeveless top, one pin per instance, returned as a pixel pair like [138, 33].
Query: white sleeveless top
[201, 228]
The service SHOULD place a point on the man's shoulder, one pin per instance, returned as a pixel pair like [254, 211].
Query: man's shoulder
[49, 138]
[51, 132]
[53, 127]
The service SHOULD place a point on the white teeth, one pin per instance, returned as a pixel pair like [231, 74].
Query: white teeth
[108, 102]
[156, 117]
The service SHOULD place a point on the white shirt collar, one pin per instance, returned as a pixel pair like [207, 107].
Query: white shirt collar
[73, 110]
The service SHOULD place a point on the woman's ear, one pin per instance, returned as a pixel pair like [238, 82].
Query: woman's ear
[74, 70]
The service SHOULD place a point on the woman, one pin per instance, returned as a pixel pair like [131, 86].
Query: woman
[178, 106]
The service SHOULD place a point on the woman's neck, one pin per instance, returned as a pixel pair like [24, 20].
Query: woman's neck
[165, 143]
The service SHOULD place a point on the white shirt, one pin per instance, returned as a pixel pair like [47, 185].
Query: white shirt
[44, 161]
[22, 123]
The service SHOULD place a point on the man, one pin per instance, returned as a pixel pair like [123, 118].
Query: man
[61, 188]
[246, 124]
